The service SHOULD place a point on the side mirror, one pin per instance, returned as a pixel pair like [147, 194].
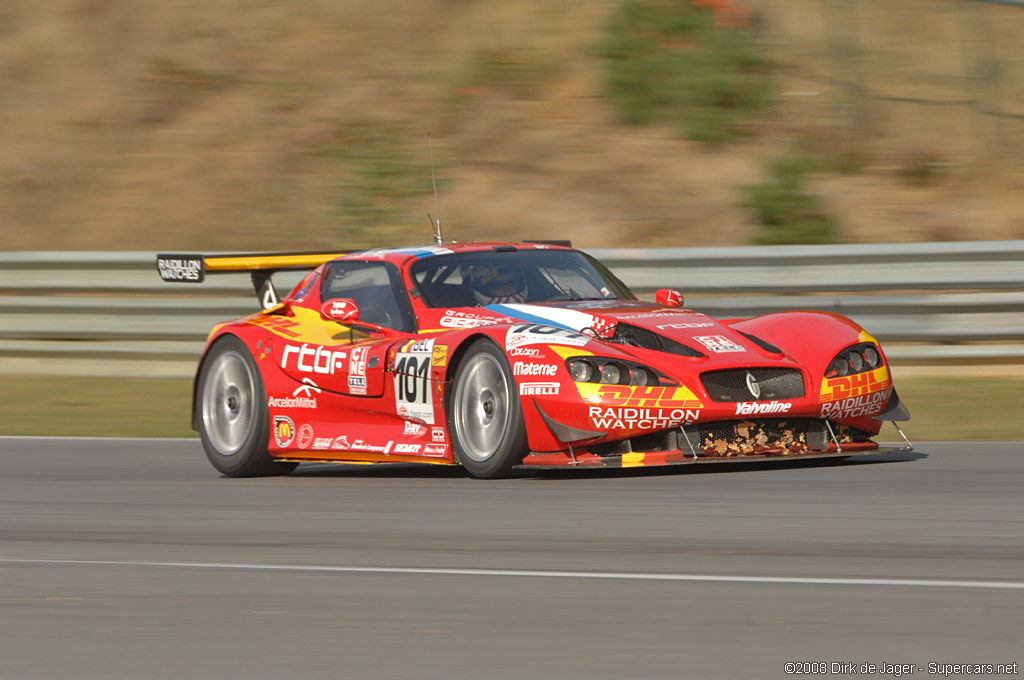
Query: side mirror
[340, 310]
[668, 297]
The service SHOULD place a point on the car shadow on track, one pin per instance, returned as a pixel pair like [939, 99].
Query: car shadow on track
[422, 471]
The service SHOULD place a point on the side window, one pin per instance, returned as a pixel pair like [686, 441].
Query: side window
[376, 287]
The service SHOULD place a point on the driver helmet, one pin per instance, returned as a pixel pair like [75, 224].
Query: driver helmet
[498, 285]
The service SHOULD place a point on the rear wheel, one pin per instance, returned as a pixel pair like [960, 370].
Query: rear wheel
[485, 416]
[231, 405]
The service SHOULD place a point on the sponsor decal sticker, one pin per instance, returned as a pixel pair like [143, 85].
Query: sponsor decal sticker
[341, 309]
[306, 389]
[524, 352]
[414, 396]
[454, 319]
[660, 314]
[180, 268]
[305, 436]
[340, 443]
[408, 448]
[322, 443]
[437, 434]
[535, 334]
[440, 356]
[413, 429]
[315, 359]
[284, 430]
[538, 389]
[856, 407]
[522, 368]
[291, 402]
[357, 370]
[435, 449]
[834, 389]
[747, 408]
[695, 324]
[616, 418]
[360, 445]
[419, 346]
[301, 397]
[639, 395]
[718, 343]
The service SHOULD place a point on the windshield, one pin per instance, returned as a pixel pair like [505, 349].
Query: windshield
[507, 276]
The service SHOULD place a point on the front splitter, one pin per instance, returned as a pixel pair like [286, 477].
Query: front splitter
[567, 461]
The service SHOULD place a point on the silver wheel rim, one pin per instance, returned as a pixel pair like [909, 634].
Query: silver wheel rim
[481, 407]
[229, 404]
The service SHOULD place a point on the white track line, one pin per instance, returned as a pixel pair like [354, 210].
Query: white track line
[911, 583]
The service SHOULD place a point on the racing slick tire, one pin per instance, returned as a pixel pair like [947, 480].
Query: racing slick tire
[485, 416]
[232, 414]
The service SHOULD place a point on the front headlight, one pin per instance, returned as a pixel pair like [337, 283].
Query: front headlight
[581, 370]
[613, 372]
[610, 374]
[858, 358]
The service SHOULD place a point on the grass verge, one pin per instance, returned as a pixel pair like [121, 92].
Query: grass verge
[943, 408]
[95, 407]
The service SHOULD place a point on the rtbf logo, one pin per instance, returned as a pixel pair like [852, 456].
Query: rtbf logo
[310, 360]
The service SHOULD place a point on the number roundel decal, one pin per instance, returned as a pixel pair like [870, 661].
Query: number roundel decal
[414, 397]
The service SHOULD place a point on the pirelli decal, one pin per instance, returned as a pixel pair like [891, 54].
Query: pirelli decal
[639, 396]
[834, 389]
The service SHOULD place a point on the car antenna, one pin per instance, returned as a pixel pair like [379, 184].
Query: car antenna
[436, 226]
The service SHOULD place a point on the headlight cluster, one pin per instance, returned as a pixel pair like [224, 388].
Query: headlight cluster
[856, 359]
[610, 372]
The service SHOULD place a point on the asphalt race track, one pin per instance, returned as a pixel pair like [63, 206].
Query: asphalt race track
[133, 559]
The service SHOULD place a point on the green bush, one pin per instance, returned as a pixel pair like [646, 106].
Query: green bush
[668, 61]
[785, 210]
[381, 181]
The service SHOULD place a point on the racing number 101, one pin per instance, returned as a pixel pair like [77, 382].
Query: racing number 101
[412, 381]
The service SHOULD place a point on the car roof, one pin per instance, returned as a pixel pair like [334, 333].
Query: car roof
[403, 254]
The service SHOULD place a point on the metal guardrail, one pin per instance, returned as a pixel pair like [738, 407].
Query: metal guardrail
[108, 313]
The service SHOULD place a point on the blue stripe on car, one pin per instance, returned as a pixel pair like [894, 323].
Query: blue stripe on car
[523, 316]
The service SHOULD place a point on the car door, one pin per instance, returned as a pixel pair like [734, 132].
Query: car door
[351, 360]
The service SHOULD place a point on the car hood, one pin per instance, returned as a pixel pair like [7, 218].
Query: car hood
[693, 329]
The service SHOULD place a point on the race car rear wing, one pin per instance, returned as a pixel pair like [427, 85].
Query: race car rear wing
[192, 268]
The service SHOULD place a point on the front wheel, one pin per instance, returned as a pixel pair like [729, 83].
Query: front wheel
[485, 415]
[231, 405]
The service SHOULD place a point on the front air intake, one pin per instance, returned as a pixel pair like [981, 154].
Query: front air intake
[753, 384]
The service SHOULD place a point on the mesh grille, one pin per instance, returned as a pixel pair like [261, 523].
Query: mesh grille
[730, 385]
[767, 436]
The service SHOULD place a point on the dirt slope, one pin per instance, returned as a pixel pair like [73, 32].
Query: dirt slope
[238, 125]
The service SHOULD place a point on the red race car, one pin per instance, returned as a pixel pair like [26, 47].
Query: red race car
[502, 356]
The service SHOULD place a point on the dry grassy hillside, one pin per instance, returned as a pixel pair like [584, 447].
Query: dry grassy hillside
[256, 124]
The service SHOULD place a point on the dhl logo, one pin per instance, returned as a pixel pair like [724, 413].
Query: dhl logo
[307, 326]
[279, 325]
[833, 389]
[639, 395]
